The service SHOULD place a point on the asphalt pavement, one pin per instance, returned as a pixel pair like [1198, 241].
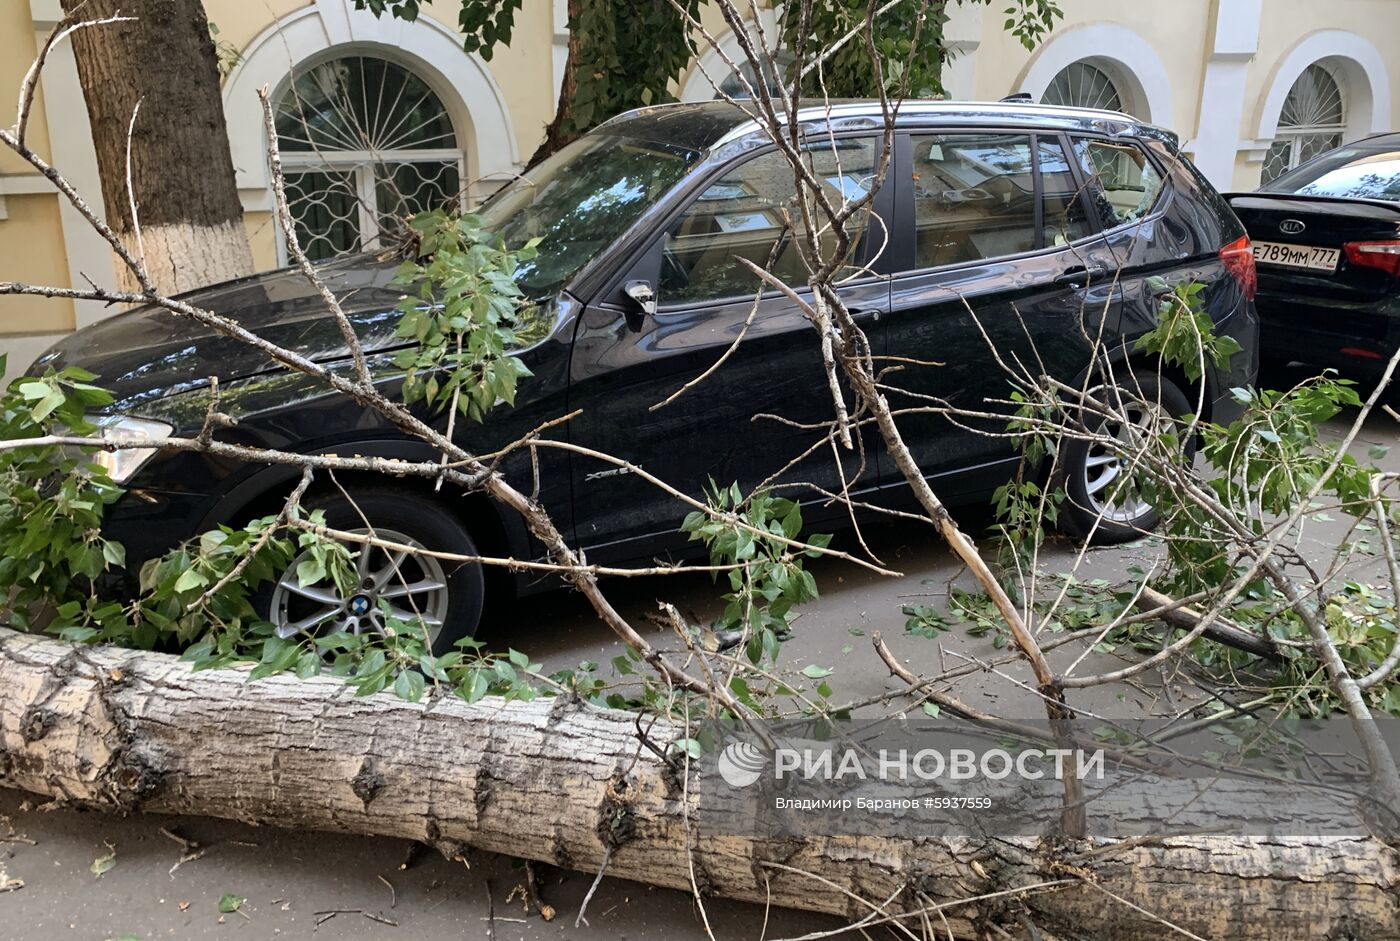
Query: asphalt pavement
[307, 885]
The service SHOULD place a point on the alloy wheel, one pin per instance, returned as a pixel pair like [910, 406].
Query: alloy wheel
[413, 588]
[1111, 495]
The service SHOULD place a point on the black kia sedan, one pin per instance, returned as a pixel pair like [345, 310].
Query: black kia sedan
[1327, 241]
[1044, 227]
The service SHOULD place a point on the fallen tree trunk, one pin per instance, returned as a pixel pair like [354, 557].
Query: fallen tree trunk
[556, 781]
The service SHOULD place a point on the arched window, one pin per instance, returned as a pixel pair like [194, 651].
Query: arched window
[776, 72]
[365, 143]
[1313, 120]
[1083, 85]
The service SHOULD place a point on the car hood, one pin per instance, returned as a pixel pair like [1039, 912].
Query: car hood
[149, 352]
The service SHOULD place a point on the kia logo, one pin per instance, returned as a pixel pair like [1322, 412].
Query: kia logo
[1292, 226]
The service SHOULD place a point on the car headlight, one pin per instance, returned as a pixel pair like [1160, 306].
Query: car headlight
[123, 463]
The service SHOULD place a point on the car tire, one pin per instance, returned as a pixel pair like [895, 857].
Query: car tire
[1086, 512]
[451, 612]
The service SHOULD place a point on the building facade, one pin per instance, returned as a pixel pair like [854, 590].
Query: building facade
[379, 117]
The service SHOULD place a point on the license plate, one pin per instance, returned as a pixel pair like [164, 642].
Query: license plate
[1296, 256]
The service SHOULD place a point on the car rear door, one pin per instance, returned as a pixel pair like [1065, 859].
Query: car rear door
[1000, 271]
[674, 395]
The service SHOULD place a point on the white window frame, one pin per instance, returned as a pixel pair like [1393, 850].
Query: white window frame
[362, 164]
[1295, 135]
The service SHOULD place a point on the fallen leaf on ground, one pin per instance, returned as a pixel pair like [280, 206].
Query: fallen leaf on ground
[104, 863]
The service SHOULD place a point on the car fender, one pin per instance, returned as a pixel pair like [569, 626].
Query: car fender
[272, 479]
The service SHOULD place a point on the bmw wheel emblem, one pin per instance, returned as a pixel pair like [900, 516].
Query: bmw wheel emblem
[1292, 226]
[359, 605]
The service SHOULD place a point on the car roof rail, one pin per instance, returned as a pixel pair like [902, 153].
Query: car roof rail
[1022, 97]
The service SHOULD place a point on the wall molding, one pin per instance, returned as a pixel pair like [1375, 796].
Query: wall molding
[1129, 60]
[1363, 68]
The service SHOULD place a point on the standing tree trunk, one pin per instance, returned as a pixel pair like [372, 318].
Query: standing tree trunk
[181, 173]
[560, 132]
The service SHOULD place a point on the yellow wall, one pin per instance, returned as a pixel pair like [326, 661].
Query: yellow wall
[17, 51]
[31, 250]
[1176, 31]
[262, 236]
[524, 70]
[1179, 31]
[240, 21]
[1286, 22]
[31, 239]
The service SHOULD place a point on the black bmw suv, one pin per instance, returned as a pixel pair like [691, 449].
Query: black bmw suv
[1044, 227]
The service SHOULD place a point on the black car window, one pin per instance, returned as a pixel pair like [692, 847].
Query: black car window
[580, 201]
[1348, 173]
[1066, 219]
[974, 197]
[1123, 183]
[751, 213]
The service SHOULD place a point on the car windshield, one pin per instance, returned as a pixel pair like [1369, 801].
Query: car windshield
[580, 200]
[1349, 173]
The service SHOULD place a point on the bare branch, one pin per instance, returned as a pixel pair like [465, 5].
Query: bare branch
[27, 87]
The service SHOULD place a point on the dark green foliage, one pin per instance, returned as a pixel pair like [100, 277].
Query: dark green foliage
[51, 498]
[922, 620]
[1185, 335]
[54, 552]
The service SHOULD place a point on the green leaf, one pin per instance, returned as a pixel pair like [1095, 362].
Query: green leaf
[690, 746]
[103, 864]
[814, 672]
[46, 405]
[475, 687]
[114, 552]
[188, 581]
[409, 685]
[229, 903]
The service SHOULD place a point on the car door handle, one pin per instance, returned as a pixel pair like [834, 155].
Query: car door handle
[1079, 276]
[865, 313]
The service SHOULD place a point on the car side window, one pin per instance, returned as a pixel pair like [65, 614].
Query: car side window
[974, 197]
[1123, 183]
[1066, 219]
[751, 213]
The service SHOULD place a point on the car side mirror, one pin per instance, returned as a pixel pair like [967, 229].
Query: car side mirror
[643, 296]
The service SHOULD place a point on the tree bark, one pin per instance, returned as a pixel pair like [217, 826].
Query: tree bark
[551, 780]
[181, 172]
[560, 132]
